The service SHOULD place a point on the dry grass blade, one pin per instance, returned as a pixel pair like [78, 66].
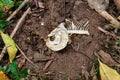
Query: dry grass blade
[47, 65]
[85, 73]
[108, 33]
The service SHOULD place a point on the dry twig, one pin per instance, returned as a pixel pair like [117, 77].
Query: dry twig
[26, 56]
[19, 24]
[108, 33]
[47, 65]
[100, 6]
[111, 19]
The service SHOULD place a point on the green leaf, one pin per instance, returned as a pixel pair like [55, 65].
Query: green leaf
[1, 14]
[97, 70]
[24, 73]
[1, 68]
[18, 3]
[3, 23]
[16, 77]
[13, 68]
[1, 6]
[65, 77]
[6, 4]
[15, 73]
[11, 46]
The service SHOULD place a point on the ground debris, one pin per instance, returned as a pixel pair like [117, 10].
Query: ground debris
[107, 59]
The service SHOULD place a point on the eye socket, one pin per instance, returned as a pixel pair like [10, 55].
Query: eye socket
[52, 38]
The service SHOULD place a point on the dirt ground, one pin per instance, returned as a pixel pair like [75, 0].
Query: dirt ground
[78, 57]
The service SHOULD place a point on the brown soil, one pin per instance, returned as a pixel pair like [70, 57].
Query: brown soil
[77, 56]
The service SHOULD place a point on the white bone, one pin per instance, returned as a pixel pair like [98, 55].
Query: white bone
[61, 38]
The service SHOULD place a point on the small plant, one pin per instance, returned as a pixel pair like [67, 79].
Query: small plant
[3, 24]
[96, 66]
[14, 72]
[65, 77]
[7, 5]
[118, 41]
[97, 70]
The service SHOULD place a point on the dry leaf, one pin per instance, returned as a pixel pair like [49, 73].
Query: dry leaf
[93, 73]
[10, 44]
[117, 2]
[41, 5]
[3, 76]
[85, 73]
[118, 17]
[108, 73]
[107, 59]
